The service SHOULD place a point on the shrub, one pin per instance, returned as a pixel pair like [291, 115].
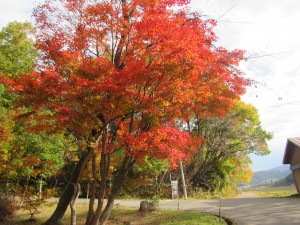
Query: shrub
[7, 208]
[154, 203]
[32, 201]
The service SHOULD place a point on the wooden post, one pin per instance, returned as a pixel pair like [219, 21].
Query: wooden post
[183, 181]
[41, 188]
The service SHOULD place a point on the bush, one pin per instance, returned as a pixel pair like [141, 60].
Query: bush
[154, 203]
[7, 208]
[32, 201]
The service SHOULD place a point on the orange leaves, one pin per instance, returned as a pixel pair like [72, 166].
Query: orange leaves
[162, 4]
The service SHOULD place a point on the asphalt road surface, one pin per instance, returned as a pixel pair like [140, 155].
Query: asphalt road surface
[247, 209]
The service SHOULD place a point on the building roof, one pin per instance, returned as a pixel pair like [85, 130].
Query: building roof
[292, 144]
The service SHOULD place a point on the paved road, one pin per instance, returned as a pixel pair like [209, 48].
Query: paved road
[246, 210]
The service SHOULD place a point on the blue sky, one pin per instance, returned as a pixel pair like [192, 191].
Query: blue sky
[261, 27]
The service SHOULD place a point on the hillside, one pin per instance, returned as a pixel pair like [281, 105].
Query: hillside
[287, 181]
[270, 176]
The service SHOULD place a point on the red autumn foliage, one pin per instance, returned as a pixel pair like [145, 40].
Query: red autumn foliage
[113, 59]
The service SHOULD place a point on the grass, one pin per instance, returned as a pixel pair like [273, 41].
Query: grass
[278, 192]
[122, 216]
[166, 217]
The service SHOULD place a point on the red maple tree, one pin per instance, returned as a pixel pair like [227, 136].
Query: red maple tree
[119, 75]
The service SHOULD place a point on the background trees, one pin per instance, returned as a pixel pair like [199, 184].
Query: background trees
[223, 156]
[17, 56]
[26, 157]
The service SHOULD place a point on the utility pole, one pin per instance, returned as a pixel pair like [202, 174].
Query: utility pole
[183, 181]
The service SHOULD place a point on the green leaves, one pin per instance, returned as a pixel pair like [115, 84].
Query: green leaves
[23, 154]
[17, 52]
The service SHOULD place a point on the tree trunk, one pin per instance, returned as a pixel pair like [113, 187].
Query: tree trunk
[103, 170]
[91, 203]
[72, 203]
[117, 185]
[97, 214]
[144, 207]
[107, 210]
[110, 202]
[91, 211]
[69, 190]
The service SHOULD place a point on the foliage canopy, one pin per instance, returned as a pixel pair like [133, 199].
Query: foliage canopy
[119, 75]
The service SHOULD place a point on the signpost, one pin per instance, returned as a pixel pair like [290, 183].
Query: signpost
[174, 186]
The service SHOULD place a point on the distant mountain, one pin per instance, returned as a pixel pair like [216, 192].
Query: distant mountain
[270, 176]
[287, 181]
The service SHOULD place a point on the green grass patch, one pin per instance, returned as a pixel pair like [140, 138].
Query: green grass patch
[166, 217]
[124, 215]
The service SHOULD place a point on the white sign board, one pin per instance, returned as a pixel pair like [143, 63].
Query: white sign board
[174, 186]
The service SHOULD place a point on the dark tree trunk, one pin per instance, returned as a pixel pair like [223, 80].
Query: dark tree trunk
[91, 204]
[117, 185]
[101, 217]
[91, 211]
[104, 167]
[107, 210]
[66, 197]
[97, 214]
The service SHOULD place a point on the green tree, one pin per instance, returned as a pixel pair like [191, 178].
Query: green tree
[227, 141]
[17, 56]
[142, 180]
[17, 52]
[24, 155]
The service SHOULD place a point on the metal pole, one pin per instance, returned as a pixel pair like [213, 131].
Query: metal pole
[183, 181]
[220, 209]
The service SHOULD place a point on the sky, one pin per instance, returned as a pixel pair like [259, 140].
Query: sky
[269, 31]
